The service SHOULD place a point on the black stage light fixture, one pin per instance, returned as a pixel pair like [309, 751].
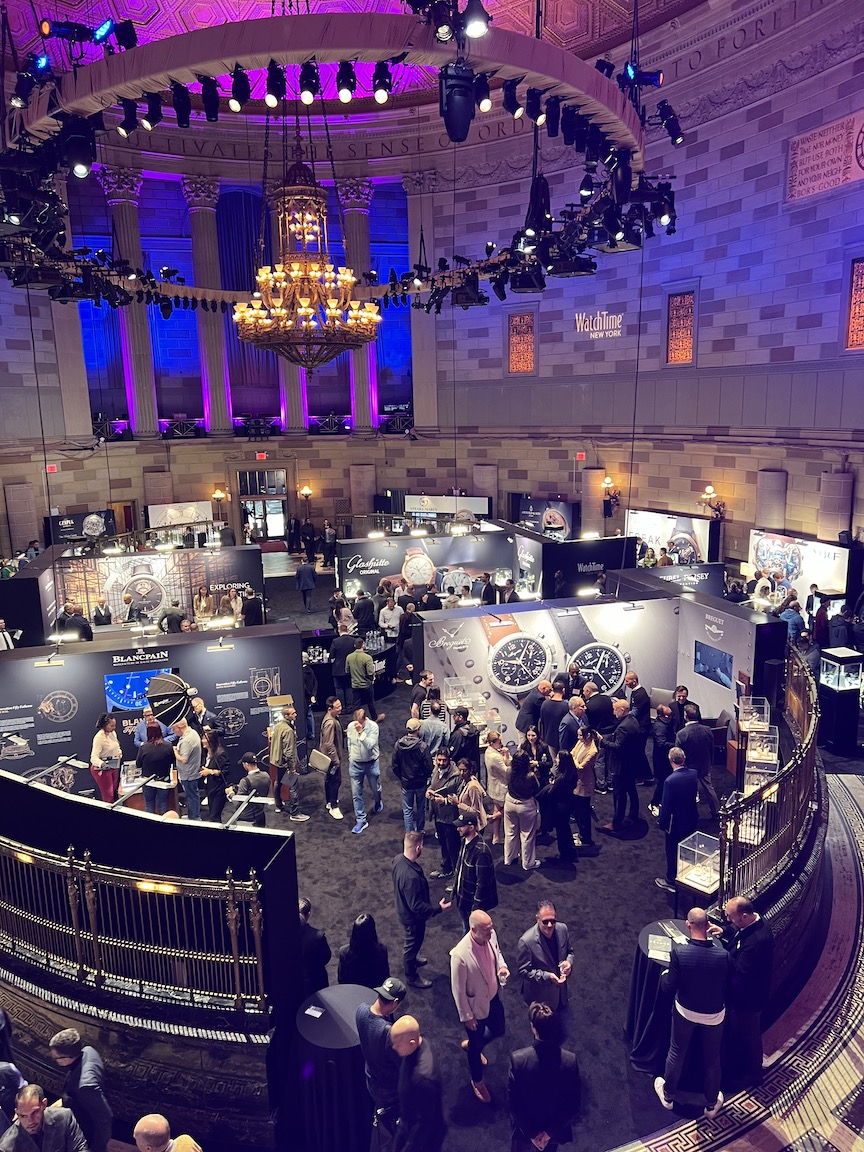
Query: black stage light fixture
[670, 122]
[456, 99]
[66, 30]
[210, 98]
[310, 82]
[586, 188]
[182, 103]
[568, 266]
[635, 77]
[527, 279]
[613, 223]
[275, 85]
[125, 34]
[24, 85]
[130, 118]
[153, 115]
[441, 17]
[512, 103]
[475, 20]
[553, 115]
[569, 118]
[499, 285]
[346, 81]
[606, 67]
[166, 307]
[382, 82]
[78, 145]
[532, 106]
[241, 89]
[467, 294]
[622, 177]
[482, 97]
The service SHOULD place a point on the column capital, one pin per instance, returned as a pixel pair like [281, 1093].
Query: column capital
[416, 183]
[201, 192]
[355, 194]
[120, 185]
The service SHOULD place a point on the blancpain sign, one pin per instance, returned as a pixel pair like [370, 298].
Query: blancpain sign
[141, 658]
[600, 325]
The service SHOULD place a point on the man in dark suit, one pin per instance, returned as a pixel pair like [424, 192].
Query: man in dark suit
[750, 944]
[509, 595]
[529, 710]
[599, 717]
[83, 1086]
[294, 534]
[364, 613]
[697, 976]
[488, 594]
[38, 1126]
[640, 707]
[662, 739]
[698, 743]
[543, 1087]
[623, 748]
[682, 699]
[545, 961]
[678, 814]
[171, 618]
[314, 953]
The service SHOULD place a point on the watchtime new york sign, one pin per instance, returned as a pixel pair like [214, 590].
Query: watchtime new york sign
[599, 325]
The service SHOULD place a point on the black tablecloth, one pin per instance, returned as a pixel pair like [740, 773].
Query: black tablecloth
[649, 1008]
[337, 1107]
[324, 672]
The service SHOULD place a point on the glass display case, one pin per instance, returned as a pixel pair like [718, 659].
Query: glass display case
[754, 713]
[840, 669]
[699, 863]
[763, 748]
[457, 690]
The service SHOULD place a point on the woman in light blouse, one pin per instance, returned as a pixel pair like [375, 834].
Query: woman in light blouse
[584, 757]
[105, 757]
[202, 605]
[231, 604]
[497, 760]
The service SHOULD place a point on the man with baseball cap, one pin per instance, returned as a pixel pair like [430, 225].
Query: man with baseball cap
[382, 1063]
[256, 783]
[474, 886]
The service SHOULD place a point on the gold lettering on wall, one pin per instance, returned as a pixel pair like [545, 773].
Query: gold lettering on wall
[680, 313]
[855, 331]
[520, 343]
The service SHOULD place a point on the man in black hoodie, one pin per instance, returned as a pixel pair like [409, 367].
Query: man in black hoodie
[412, 767]
[413, 906]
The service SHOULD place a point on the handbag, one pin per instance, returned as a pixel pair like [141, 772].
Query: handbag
[319, 760]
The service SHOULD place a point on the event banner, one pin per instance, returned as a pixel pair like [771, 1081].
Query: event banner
[493, 658]
[79, 525]
[554, 518]
[171, 515]
[445, 561]
[705, 578]
[51, 708]
[799, 562]
[459, 507]
[687, 539]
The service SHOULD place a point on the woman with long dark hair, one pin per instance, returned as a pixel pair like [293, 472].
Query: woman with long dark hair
[364, 959]
[521, 813]
[156, 758]
[105, 757]
[585, 757]
[559, 798]
[214, 774]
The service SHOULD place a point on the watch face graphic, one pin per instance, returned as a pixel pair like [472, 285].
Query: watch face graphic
[685, 548]
[146, 592]
[59, 707]
[455, 578]
[603, 664]
[62, 778]
[518, 663]
[773, 555]
[264, 682]
[94, 525]
[232, 721]
[418, 568]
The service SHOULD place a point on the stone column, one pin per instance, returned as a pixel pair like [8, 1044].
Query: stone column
[71, 369]
[424, 365]
[355, 196]
[202, 193]
[293, 402]
[122, 187]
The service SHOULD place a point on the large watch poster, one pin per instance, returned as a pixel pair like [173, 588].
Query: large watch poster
[445, 561]
[554, 518]
[495, 657]
[687, 539]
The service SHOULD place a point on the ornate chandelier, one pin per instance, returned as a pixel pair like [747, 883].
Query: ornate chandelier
[303, 306]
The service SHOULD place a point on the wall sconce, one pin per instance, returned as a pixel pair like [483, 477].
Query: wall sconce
[218, 496]
[710, 499]
[611, 496]
[306, 492]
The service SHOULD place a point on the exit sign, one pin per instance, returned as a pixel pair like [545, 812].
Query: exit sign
[50, 469]
[580, 456]
[260, 455]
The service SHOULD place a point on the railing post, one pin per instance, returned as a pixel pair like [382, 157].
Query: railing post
[256, 919]
[93, 918]
[72, 897]
[232, 917]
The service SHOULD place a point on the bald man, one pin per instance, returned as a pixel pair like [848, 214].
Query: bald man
[421, 1114]
[477, 970]
[153, 1134]
[698, 975]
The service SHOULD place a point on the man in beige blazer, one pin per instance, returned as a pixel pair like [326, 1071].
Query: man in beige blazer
[477, 971]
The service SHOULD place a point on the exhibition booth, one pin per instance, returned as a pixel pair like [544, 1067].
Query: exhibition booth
[687, 539]
[836, 569]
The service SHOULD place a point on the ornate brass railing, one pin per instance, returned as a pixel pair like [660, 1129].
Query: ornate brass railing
[199, 942]
[760, 833]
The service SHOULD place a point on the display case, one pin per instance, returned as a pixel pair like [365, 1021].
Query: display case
[458, 690]
[699, 863]
[754, 713]
[763, 748]
[840, 669]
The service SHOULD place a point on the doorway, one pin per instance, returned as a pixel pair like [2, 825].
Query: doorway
[263, 503]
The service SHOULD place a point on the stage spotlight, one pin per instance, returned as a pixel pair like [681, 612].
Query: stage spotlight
[662, 211]
[532, 107]
[241, 89]
[569, 120]
[103, 31]
[153, 115]
[482, 98]
[182, 103]
[78, 145]
[346, 81]
[635, 76]
[24, 85]
[553, 115]
[456, 99]
[310, 82]
[586, 188]
[66, 30]
[613, 224]
[499, 285]
[125, 35]
[670, 122]
[475, 20]
[606, 67]
[442, 20]
[382, 82]
[511, 99]
[210, 98]
[130, 118]
[275, 85]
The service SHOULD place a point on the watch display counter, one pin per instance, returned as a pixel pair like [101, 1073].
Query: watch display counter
[839, 696]
[699, 863]
[385, 655]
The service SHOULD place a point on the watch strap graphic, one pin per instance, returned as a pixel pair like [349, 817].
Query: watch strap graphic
[498, 625]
